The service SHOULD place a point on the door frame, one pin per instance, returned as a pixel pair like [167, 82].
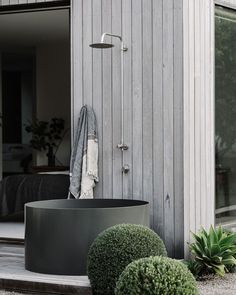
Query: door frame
[226, 3]
[32, 7]
[38, 6]
[28, 8]
[1, 149]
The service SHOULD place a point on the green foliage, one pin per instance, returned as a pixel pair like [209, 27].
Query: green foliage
[231, 268]
[195, 267]
[214, 251]
[45, 134]
[114, 249]
[156, 276]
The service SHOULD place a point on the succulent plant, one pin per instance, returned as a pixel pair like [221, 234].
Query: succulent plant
[214, 251]
[195, 267]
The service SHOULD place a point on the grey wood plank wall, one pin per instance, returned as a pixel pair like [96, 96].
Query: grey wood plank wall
[153, 108]
[153, 113]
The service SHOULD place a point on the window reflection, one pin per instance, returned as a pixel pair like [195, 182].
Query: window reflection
[225, 116]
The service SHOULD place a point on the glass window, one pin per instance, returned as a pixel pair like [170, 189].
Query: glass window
[225, 116]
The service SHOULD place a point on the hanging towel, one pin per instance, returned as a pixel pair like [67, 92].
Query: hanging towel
[84, 159]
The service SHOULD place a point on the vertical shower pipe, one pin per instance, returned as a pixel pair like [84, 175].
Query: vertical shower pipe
[122, 146]
[123, 48]
[102, 45]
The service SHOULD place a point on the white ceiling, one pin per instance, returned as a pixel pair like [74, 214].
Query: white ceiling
[34, 28]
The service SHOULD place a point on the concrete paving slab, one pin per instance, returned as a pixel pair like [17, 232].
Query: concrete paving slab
[14, 276]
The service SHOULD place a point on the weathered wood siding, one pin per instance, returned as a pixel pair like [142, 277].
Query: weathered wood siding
[153, 75]
[199, 152]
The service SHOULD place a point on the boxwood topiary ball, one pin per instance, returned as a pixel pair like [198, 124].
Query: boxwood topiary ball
[114, 249]
[156, 276]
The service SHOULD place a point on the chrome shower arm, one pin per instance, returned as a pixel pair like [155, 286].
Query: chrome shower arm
[111, 35]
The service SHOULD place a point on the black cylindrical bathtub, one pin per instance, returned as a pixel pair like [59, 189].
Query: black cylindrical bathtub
[58, 233]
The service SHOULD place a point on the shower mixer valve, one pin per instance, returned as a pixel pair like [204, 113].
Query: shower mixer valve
[122, 146]
[125, 169]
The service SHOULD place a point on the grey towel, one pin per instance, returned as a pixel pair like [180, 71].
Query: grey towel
[84, 159]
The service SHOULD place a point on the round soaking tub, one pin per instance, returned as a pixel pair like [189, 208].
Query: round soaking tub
[58, 233]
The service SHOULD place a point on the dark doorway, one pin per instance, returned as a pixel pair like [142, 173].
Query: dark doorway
[11, 106]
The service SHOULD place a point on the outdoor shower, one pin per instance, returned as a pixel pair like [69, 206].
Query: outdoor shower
[103, 45]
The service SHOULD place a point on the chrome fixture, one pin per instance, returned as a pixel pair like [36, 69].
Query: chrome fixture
[125, 168]
[103, 45]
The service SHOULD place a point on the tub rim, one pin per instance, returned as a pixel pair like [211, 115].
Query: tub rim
[139, 203]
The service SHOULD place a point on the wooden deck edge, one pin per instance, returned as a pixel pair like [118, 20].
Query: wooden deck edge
[42, 288]
[13, 241]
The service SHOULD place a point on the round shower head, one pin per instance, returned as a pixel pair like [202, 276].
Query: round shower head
[101, 45]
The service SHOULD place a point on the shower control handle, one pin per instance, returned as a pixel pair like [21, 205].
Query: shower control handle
[125, 169]
[122, 146]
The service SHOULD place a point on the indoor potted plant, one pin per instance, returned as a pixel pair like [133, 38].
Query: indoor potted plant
[46, 136]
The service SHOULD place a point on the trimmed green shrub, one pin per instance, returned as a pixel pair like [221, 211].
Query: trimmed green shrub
[214, 251]
[156, 276]
[114, 249]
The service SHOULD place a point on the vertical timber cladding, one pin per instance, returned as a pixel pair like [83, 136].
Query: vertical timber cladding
[153, 111]
[199, 145]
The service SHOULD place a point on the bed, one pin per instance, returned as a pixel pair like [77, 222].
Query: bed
[17, 190]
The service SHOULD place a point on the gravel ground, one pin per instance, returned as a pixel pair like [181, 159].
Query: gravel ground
[211, 286]
[218, 286]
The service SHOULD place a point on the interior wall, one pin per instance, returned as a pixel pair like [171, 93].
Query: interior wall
[1, 115]
[27, 97]
[53, 91]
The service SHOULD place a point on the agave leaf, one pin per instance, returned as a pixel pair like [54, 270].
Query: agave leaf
[196, 237]
[233, 251]
[207, 251]
[213, 238]
[208, 265]
[196, 250]
[204, 232]
[199, 258]
[215, 249]
[227, 248]
[217, 259]
[219, 269]
[219, 232]
[226, 252]
[206, 258]
[200, 247]
[229, 261]
[230, 239]
[205, 242]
